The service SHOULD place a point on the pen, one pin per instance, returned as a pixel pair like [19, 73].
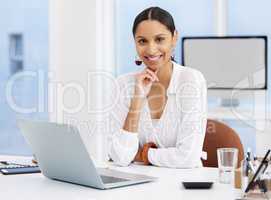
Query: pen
[247, 162]
[4, 162]
[251, 167]
[10, 163]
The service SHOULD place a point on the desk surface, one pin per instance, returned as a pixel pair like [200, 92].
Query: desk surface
[168, 186]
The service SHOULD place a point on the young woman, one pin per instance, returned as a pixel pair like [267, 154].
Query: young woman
[160, 114]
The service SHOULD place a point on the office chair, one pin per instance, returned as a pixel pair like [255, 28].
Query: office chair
[220, 135]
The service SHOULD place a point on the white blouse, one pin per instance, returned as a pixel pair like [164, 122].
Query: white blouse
[178, 134]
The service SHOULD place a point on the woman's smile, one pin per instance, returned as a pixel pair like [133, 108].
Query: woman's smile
[153, 58]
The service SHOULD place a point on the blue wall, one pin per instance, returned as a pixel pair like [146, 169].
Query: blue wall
[251, 18]
[29, 18]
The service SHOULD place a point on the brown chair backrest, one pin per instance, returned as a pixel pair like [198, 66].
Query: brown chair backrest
[219, 135]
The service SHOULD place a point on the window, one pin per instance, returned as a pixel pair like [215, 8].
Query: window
[16, 53]
[24, 49]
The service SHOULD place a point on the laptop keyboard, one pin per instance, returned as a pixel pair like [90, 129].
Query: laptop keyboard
[111, 179]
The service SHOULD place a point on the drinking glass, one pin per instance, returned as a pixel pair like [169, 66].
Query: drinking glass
[227, 163]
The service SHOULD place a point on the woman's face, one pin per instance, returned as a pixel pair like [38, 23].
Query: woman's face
[154, 43]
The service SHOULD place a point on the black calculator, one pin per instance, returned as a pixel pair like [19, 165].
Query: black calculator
[197, 185]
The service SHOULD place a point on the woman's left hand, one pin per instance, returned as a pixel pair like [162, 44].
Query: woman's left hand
[145, 150]
[142, 153]
[138, 157]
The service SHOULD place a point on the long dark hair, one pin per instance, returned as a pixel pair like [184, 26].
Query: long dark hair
[155, 13]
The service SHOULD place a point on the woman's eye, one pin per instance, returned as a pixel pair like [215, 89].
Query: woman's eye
[160, 39]
[142, 41]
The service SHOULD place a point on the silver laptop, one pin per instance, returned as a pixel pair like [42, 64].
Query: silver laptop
[61, 155]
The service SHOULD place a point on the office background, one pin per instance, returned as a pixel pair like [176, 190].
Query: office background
[23, 46]
[24, 30]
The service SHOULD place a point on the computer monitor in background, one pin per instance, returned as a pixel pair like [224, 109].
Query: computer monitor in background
[235, 67]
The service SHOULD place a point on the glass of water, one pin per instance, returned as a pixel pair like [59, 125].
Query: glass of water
[227, 163]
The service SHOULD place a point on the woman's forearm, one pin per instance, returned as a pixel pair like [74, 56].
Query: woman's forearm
[132, 119]
[143, 85]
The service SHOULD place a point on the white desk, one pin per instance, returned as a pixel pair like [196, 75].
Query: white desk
[36, 186]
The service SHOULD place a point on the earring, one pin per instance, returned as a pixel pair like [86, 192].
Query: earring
[138, 61]
[172, 55]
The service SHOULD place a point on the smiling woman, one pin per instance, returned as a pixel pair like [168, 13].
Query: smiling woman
[154, 27]
[160, 114]
[154, 43]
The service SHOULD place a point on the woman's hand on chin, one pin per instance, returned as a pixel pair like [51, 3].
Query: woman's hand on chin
[144, 81]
